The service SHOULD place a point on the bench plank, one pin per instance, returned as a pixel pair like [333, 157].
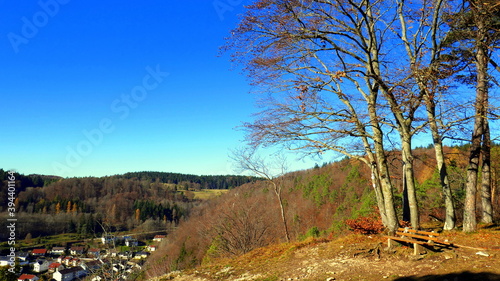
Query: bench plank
[409, 235]
[418, 236]
[418, 231]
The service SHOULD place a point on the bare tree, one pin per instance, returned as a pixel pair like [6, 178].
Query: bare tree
[319, 59]
[241, 229]
[247, 160]
[421, 34]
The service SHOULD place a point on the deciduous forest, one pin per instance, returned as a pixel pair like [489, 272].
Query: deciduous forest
[149, 200]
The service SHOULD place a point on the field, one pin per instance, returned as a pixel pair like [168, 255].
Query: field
[206, 194]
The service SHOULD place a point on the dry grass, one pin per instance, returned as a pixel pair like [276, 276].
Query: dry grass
[359, 257]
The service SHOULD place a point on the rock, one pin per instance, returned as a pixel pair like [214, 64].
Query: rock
[416, 257]
[484, 254]
[330, 278]
[449, 255]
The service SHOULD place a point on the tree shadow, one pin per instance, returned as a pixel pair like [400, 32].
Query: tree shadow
[461, 276]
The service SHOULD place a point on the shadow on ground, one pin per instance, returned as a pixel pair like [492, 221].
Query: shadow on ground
[462, 276]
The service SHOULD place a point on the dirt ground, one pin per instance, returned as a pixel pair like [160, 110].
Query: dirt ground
[360, 257]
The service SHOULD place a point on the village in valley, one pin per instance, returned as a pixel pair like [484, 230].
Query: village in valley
[106, 258]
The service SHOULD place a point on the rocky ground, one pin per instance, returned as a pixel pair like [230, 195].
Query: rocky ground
[360, 257]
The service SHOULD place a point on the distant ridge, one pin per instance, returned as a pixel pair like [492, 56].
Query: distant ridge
[206, 181]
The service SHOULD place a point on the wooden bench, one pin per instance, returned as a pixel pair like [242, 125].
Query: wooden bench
[418, 238]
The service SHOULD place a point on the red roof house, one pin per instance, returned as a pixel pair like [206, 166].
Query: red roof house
[39, 252]
[55, 266]
[158, 237]
[29, 277]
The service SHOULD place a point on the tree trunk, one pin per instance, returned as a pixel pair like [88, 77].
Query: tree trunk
[487, 215]
[378, 193]
[373, 67]
[381, 164]
[410, 181]
[470, 223]
[277, 190]
[450, 215]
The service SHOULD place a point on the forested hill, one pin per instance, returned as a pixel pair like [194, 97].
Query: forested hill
[142, 200]
[191, 181]
[32, 180]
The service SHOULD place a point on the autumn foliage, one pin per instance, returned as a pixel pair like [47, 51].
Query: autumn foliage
[366, 225]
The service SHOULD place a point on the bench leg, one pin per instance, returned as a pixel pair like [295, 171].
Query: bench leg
[416, 249]
[389, 243]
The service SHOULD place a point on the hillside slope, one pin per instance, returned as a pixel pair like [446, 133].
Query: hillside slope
[358, 257]
[319, 202]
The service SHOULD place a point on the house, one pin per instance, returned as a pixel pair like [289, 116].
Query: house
[55, 266]
[39, 252]
[4, 261]
[151, 248]
[125, 255]
[66, 260]
[41, 265]
[75, 262]
[23, 257]
[28, 277]
[70, 261]
[132, 242]
[91, 265]
[141, 255]
[77, 250]
[58, 250]
[112, 253]
[126, 237]
[159, 238]
[108, 239]
[93, 252]
[69, 274]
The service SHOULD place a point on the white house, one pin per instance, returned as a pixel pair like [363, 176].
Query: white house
[141, 255]
[69, 274]
[77, 250]
[4, 261]
[58, 250]
[132, 242]
[41, 265]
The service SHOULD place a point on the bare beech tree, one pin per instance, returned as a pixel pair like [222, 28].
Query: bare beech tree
[323, 61]
[421, 34]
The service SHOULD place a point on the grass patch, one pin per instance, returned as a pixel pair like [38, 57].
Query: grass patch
[206, 194]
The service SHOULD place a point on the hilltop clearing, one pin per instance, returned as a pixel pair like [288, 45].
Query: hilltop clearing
[358, 257]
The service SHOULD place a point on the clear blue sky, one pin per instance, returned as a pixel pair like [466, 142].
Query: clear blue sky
[94, 88]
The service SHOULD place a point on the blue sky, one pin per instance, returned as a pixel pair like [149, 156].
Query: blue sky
[94, 88]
